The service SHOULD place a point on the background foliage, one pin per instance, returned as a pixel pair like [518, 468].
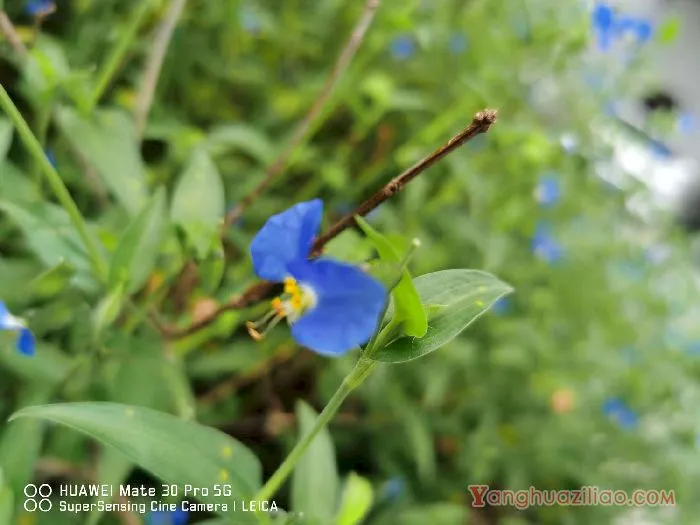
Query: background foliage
[585, 376]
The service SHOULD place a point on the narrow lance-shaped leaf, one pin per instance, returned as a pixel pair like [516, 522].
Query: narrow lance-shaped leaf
[137, 250]
[198, 204]
[176, 451]
[408, 307]
[315, 479]
[455, 299]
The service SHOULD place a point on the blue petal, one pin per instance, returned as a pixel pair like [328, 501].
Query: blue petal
[547, 192]
[25, 342]
[4, 314]
[349, 303]
[402, 47]
[39, 7]
[603, 16]
[285, 238]
[612, 406]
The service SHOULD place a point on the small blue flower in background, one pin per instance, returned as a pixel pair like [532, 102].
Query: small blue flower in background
[332, 307]
[545, 246]
[618, 410]
[177, 517]
[659, 149]
[502, 306]
[250, 20]
[25, 339]
[547, 192]
[394, 488]
[458, 43]
[39, 8]
[403, 47]
[609, 26]
[51, 157]
[685, 123]
[693, 348]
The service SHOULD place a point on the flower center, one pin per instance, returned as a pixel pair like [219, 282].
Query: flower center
[296, 300]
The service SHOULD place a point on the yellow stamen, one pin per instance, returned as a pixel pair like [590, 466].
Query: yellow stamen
[290, 285]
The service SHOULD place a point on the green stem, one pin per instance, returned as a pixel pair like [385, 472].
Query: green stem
[54, 180]
[115, 58]
[362, 369]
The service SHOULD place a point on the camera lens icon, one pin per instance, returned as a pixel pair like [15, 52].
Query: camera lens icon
[37, 498]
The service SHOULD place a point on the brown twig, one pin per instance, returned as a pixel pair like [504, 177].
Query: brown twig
[302, 129]
[10, 33]
[481, 123]
[154, 64]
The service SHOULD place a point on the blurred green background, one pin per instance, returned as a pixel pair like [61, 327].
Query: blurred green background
[585, 376]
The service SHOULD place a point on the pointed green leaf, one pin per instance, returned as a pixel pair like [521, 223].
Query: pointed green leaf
[136, 253]
[108, 141]
[108, 309]
[315, 479]
[51, 282]
[198, 204]
[408, 307]
[669, 31]
[176, 451]
[6, 131]
[356, 501]
[463, 295]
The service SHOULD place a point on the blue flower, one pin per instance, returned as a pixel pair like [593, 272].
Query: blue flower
[39, 8]
[25, 340]
[547, 191]
[394, 488]
[250, 20]
[608, 26]
[458, 43]
[502, 306]
[618, 410]
[403, 47]
[545, 246]
[160, 517]
[685, 123]
[331, 306]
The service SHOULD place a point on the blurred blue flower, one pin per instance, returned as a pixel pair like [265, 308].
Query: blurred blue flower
[502, 306]
[394, 488]
[250, 20]
[39, 8]
[693, 348]
[51, 157]
[548, 191]
[569, 142]
[25, 340]
[458, 43]
[659, 149]
[618, 410]
[685, 123]
[331, 306]
[403, 47]
[177, 517]
[545, 246]
[609, 26]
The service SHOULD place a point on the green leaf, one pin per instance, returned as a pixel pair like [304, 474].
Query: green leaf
[136, 253]
[408, 307]
[50, 234]
[242, 137]
[109, 143]
[456, 298]
[356, 501]
[20, 444]
[315, 479]
[6, 500]
[49, 366]
[108, 310]
[6, 131]
[176, 451]
[198, 203]
[669, 30]
[51, 282]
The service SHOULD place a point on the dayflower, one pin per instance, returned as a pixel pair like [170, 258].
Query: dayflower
[685, 123]
[40, 8]
[547, 190]
[331, 306]
[161, 517]
[25, 339]
[458, 43]
[545, 246]
[610, 26]
[402, 47]
[618, 410]
[502, 306]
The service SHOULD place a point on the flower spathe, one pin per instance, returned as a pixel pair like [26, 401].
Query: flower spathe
[25, 339]
[331, 306]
